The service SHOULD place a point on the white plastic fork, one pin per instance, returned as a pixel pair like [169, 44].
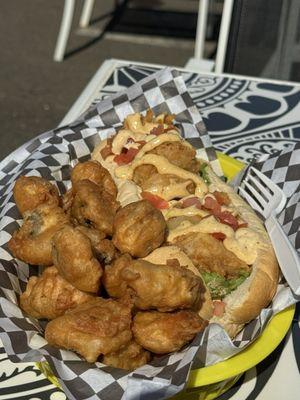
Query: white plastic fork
[268, 199]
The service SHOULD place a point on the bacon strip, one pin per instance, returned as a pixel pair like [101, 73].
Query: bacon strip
[225, 217]
[219, 235]
[158, 130]
[222, 198]
[192, 201]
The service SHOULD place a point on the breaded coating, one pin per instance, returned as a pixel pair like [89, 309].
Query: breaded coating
[164, 287]
[209, 254]
[91, 329]
[50, 295]
[31, 191]
[95, 172]
[73, 256]
[139, 228]
[168, 186]
[175, 222]
[93, 207]
[67, 200]
[130, 357]
[103, 249]
[178, 154]
[166, 332]
[32, 243]
[142, 173]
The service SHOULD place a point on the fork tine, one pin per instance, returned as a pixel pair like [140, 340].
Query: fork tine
[257, 196]
[263, 189]
[280, 201]
[267, 181]
[250, 200]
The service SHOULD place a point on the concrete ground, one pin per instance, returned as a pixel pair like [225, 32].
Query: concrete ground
[36, 92]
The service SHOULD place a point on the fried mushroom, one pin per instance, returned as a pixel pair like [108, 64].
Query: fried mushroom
[103, 249]
[139, 228]
[98, 327]
[93, 171]
[93, 207]
[32, 243]
[162, 287]
[50, 295]
[130, 357]
[166, 332]
[73, 256]
[31, 191]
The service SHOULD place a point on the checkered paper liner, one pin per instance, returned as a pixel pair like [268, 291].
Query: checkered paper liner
[52, 155]
[283, 168]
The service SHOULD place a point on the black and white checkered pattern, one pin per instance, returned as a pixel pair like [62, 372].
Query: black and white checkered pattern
[283, 168]
[52, 156]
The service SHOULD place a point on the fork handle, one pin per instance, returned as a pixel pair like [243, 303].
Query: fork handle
[287, 256]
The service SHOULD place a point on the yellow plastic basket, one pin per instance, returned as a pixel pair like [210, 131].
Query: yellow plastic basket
[209, 382]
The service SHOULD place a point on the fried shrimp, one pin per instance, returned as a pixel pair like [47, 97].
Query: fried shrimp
[92, 329]
[163, 287]
[166, 332]
[31, 191]
[130, 357]
[93, 207]
[209, 254]
[139, 228]
[95, 172]
[32, 243]
[142, 173]
[181, 155]
[168, 186]
[50, 295]
[74, 259]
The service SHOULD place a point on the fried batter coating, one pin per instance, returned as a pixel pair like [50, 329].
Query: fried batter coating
[73, 256]
[91, 329]
[139, 228]
[178, 154]
[130, 357]
[163, 287]
[93, 207]
[103, 249]
[32, 243]
[168, 186]
[95, 172]
[67, 200]
[209, 254]
[175, 222]
[166, 332]
[142, 173]
[50, 295]
[31, 191]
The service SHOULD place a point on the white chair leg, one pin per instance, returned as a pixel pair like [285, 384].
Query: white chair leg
[223, 35]
[201, 29]
[198, 63]
[86, 13]
[64, 31]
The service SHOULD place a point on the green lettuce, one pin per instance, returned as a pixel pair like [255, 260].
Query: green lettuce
[219, 286]
[203, 173]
